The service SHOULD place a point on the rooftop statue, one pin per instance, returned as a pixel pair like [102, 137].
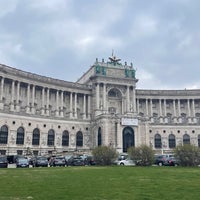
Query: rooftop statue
[114, 60]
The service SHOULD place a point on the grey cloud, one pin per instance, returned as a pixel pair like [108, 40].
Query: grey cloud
[62, 38]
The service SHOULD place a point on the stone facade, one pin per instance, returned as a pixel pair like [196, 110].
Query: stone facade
[42, 115]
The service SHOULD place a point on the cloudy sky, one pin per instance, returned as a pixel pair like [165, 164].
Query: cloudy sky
[62, 38]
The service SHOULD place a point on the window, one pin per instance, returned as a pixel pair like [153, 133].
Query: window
[65, 138]
[114, 93]
[79, 139]
[158, 141]
[3, 135]
[36, 137]
[51, 137]
[99, 136]
[199, 140]
[186, 139]
[172, 141]
[20, 136]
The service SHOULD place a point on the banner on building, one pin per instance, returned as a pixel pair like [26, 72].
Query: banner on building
[129, 121]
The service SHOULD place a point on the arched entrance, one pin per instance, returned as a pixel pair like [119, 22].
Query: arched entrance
[128, 138]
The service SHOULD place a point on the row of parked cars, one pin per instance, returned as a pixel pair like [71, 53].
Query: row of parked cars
[160, 160]
[44, 161]
[166, 160]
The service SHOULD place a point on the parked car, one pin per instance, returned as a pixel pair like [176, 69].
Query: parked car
[22, 162]
[88, 159]
[11, 159]
[123, 156]
[160, 159]
[76, 161]
[57, 161]
[40, 161]
[3, 162]
[171, 161]
[126, 162]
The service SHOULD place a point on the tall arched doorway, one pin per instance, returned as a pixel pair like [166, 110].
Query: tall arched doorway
[128, 138]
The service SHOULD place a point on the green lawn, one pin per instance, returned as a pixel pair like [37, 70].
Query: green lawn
[100, 183]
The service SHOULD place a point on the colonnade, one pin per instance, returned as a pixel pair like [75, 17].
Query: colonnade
[30, 99]
[174, 107]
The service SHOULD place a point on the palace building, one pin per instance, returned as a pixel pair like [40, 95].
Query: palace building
[43, 115]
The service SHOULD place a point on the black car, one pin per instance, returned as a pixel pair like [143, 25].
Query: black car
[40, 161]
[76, 161]
[3, 162]
[160, 160]
[22, 162]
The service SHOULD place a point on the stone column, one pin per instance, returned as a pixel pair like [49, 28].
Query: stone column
[138, 106]
[61, 104]
[165, 111]
[1, 90]
[33, 100]
[89, 105]
[160, 107]
[127, 100]
[57, 97]
[151, 110]
[179, 111]
[193, 111]
[147, 107]
[42, 109]
[47, 106]
[97, 96]
[17, 100]
[75, 105]
[12, 96]
[134, 100]
[160, 110]
[28, 99]
[104, 98]
[1, 93]
[84, 106]
[174, 110]
[189, 111]
[70, 105]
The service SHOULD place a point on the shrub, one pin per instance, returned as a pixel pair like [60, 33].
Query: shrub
[142, 155]
[187, 155]
[104, 155]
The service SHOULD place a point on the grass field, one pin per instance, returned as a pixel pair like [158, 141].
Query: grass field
[100, 183]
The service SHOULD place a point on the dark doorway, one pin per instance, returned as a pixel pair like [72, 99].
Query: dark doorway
[128, 138]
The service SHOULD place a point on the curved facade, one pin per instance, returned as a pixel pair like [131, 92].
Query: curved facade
[42, 115]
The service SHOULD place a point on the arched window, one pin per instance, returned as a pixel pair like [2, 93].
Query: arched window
[199, 140]
[79, 139]
[157, 141]
[51, 137]
[172, 141]
[99, 137]
[20, 136]
[114, 93]
[65, 138]
[186, 139]
[36, 137]
[4, 135]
